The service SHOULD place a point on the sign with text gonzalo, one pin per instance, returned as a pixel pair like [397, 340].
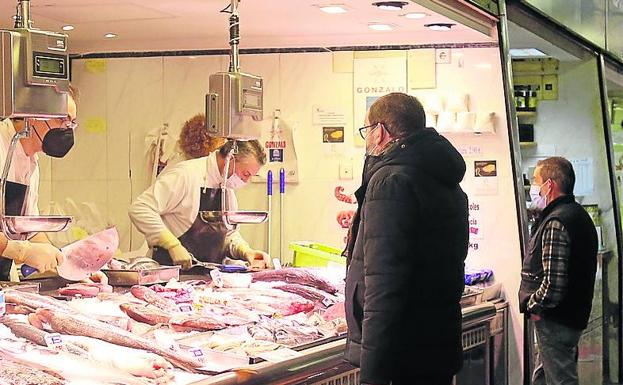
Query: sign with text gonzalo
[372, 78]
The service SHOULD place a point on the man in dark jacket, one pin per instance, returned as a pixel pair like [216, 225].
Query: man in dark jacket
[406, 252]
[558, 274]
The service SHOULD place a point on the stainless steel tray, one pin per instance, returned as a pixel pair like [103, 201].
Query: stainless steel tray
[143, 276]
[471, 296]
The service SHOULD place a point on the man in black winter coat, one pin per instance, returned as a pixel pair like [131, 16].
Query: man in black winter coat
[406, 251]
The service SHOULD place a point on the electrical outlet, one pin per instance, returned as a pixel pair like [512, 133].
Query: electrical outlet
[346, 170]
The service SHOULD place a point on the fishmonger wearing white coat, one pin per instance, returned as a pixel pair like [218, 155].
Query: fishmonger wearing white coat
[54, 137]
[168, 211]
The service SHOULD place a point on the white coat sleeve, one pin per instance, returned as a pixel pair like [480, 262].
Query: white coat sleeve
[163, 197]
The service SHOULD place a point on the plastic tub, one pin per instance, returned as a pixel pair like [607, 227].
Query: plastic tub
[309, 254]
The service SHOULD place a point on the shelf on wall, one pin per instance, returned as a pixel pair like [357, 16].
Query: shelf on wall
[527, 144]
[526, 114]
[474, 133]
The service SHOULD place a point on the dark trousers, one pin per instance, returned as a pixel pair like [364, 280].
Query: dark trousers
[556, 361]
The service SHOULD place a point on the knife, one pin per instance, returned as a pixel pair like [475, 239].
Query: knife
[85, 256]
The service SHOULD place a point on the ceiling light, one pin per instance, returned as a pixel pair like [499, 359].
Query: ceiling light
[380, 27]
[414, 15]
[68, 28]
[439, 26]
[332, 9]
[390, 5]
[110, 35]
[526, 52]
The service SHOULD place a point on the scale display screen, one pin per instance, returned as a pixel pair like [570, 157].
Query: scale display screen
[52, 66]
[49, 65]
[251, 99]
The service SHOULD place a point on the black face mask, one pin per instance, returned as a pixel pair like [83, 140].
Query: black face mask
[57, 141]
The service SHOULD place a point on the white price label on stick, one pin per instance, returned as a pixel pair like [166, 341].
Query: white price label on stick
[54, 341]
[185, 308]
[197, 353]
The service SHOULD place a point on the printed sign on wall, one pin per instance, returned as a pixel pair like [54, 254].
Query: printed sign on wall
[485, 177]
[332, 134]
[372, 78]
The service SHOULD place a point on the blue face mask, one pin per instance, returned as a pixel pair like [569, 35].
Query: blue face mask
[538, 202]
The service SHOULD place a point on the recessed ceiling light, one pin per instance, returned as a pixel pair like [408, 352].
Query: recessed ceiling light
[68, 28]
[110, 35]
[333, 9]
[440, 26]
[414, 15]
[526, 52]
[390, 5]
[380, 27]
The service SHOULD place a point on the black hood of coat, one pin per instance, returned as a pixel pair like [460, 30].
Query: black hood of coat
[425, 150]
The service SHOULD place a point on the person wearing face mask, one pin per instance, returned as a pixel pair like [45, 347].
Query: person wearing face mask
[558, 274]
[410, 233]
[55, 138]
[168, 212]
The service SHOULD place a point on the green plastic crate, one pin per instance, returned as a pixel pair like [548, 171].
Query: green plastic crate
[307, 254]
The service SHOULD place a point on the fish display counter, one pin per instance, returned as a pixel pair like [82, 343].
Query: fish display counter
[274, 326]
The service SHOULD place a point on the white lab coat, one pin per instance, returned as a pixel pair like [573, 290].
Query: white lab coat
[172, 202]
[24, 168]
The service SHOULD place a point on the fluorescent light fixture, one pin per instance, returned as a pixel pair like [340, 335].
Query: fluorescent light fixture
[526, 52]
[380, 27]
[440, 26]
[110, 35]
[68, 28]
[333, 9]
[390, 5]
[414, 15]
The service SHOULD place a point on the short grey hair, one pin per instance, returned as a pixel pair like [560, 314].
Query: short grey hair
[246, 148]
[560, 170]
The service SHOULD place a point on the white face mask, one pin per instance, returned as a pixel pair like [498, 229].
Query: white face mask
[371, 151]
[538, 202]
[235, 182]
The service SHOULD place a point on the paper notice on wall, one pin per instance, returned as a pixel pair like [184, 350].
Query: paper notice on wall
[485, 177]
[584, 183]
[372, 78]
[328, 116]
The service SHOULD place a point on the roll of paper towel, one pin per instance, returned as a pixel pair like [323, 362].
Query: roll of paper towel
[457, 102]
[433, 103]
[485, 122]
[465, 121]
[446, 121]
[431, 119]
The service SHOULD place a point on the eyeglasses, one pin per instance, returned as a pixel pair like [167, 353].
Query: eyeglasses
[67, 124]
[363, 131]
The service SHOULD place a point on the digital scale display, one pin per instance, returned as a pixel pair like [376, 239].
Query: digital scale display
[49, 65]
[251, 99]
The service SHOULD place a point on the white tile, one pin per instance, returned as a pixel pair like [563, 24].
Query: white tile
[134, 107]
[119, 199]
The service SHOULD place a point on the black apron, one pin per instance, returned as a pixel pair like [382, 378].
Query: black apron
[204, 240]
[15, 205]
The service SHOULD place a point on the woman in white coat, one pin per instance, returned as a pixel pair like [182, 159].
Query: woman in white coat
[168, 212]
[54, 137]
